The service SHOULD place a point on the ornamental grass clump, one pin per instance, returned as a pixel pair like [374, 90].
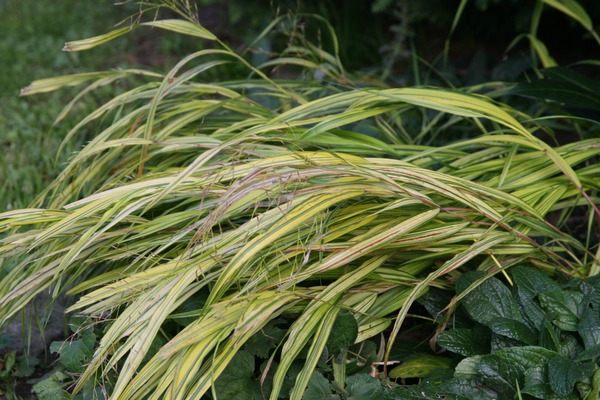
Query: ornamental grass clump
[228, 205]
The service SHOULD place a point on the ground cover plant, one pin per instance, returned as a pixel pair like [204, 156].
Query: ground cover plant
[280, 234]
[553, 329]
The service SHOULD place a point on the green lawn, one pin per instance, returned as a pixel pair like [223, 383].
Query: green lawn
[32, 34]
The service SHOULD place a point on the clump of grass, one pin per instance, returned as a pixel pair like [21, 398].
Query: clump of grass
[265, 199]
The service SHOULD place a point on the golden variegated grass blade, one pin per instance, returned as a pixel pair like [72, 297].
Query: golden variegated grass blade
[274, 198]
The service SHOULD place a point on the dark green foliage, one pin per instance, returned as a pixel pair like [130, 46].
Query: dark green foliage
[14, 365]
[564, 373]
[363, 387]
[539, 349]
[74, 354]
[564, 87]
[492, 304]
[451, 389]
[562, 308]
[262, 345]
[319, 388]
[344, 332]
[466, 342]
[51, 388]
[236, 381]
[361, 357]
[358, 387]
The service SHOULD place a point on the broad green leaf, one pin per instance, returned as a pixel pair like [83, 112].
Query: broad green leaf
[93, 392]
[563, 93]
[525, 356]
[262, 343]
[51, 388]
[236, 381]
[532, 281]
[562, 308]
[363, 387]
[435, 300]
[529, 282]
[468, 367]
[595, 394]
[452, 389]
[319, 388]
[466, 342]
[590, 353]
[569, 347]
[537, 385]
[589, 323]
[513, 329]
[361, 358]
[25, 366]
[563, 373]
[344, 332]
[499, 342]
[75, 354]
[419, 366]
[10, 360]
[489, 301]
[530, 307]
[288, 381]
[500, 375]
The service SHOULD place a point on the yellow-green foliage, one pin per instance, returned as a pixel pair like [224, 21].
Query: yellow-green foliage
[266, 194]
